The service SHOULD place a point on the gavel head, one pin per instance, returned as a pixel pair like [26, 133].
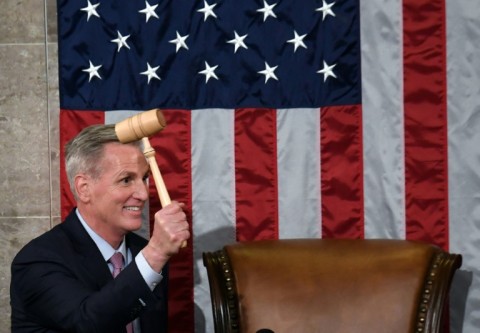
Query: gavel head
[140, 126]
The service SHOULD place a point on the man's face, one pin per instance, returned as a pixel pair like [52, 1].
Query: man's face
[117, 197]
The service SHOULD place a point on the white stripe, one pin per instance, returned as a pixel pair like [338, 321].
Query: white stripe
[382, 96]
[298, 142]
[213, 198]
[463, 70]
[113, 117]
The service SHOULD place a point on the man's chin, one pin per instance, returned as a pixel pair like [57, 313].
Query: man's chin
[136, 225]
[133, 219]
[133, 224]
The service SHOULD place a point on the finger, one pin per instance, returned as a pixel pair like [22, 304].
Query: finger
[173, 208]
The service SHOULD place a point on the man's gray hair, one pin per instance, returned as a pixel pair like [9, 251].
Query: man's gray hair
[84, 152]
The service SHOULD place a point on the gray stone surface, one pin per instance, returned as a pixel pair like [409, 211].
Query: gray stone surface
[22, 21]
[14, 233]
[29, 153]
[53, 129]
[24, 132]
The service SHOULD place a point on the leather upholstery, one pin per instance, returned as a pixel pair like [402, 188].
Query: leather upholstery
[333, 286]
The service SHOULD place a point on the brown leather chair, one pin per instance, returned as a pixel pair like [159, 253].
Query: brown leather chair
[329, 286]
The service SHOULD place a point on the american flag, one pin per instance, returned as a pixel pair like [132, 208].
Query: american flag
[285, 119]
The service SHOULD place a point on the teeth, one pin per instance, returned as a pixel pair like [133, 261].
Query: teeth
[132, 208]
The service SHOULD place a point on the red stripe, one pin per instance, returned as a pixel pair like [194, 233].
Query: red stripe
[425, 121]
[173, 154]
[71, 123]
[341, 172]
[256, 174]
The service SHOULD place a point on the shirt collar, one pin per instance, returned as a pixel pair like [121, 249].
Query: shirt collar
[105, 249]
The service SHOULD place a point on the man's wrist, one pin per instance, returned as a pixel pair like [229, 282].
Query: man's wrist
[151, 277]
[154, 259]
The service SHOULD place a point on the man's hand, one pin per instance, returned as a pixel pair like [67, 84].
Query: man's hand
[170, 230]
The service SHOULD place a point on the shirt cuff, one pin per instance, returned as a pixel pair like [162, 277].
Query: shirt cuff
[151, 277]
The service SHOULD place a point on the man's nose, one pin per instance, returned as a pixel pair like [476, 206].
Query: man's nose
[141, 191]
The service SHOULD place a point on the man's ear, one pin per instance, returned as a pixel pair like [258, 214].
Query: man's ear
[82, 187]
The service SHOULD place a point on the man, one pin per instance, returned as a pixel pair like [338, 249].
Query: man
[62, 281]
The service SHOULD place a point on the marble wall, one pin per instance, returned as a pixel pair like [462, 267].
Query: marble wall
[29, 153]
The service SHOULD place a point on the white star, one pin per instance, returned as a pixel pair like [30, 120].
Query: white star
[92, 71]
[327, 71]
[297, 41]
[91, 10]
[238, 41]
[209, 72]
[207, 10]
[121, 41]
[269, 72]
[267, 10]
[149, 11]
[180, 41]
[151, 72]
[326, 9]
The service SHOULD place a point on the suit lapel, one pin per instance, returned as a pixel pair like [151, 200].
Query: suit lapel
[90, 257]
[135, 243]
[95, 269]
[154, 319]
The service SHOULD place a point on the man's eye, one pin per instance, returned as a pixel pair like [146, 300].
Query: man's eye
[145, 178]
[126, 180]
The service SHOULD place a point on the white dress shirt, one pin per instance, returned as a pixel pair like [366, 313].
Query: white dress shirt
[151, 277]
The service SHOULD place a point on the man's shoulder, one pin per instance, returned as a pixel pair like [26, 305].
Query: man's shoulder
[49, 242]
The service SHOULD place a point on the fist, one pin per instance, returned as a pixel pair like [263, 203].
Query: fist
[170, 233]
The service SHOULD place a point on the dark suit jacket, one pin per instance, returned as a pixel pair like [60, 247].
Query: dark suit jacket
[61, 283]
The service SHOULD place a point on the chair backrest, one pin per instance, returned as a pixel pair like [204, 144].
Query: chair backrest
[330, 286]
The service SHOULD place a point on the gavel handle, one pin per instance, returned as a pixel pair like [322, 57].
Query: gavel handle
[149, 153]
[163, 195]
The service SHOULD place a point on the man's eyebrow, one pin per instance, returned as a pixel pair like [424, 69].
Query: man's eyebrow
[126, 172]
[123, 173]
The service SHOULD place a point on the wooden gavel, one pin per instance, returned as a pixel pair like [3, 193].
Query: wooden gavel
[140, 127]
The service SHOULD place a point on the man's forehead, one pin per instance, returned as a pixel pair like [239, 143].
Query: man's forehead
[117, 148]
[124, 155]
